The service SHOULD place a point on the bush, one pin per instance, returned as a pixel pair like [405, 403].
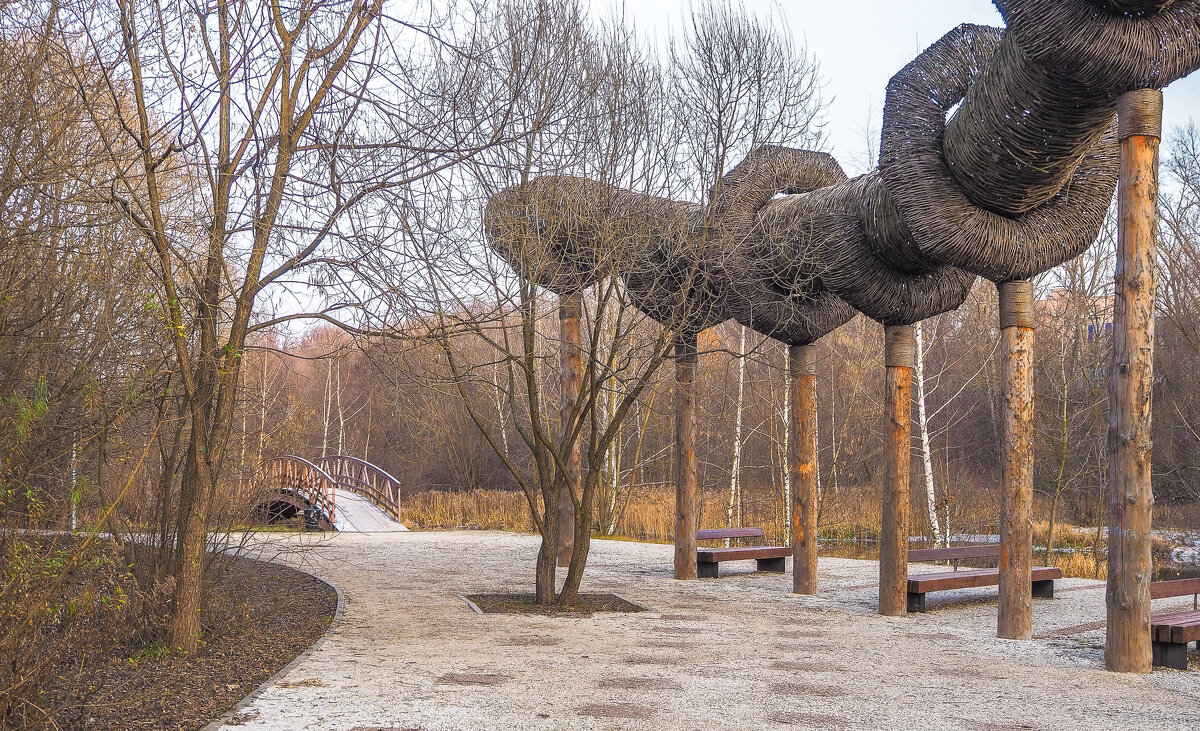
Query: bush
[61, 600]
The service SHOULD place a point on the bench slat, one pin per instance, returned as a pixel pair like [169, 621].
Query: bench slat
[1176, 587]
[970, 579]
[716, 555]
[1173, 617]
[917, 555]
[1176, 627]
[718, 534]
[1186, 633]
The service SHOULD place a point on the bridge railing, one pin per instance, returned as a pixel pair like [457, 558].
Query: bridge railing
[363, 478]
[305, 480]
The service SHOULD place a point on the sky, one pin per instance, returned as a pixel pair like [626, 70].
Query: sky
[859, 44]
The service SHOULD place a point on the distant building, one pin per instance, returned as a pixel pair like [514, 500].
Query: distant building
[1064, 311]
[1081, 325]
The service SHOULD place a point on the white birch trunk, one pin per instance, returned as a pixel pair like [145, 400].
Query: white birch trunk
[262, 411]
[923, 427]
[242, 447]
[735, 486]
[787, 472]
[499, 408]
[341, 413]
[833, 432]
[614, 447]
[327, 409]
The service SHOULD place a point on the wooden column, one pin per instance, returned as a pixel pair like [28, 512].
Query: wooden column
[1014, 619]
[899, 358]
[802, 464]
[686, 475]
[1130, 497]
[570, 308]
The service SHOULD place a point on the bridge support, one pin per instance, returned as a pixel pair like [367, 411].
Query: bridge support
[802, 466]
[1127, 646]
[686, 475]
[899, 359]
[1014, 619]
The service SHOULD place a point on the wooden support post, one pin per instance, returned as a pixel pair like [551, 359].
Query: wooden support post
[900, 359]
[802, 464]
[686, 475]
[570, 308]
[1014, 619]
[1127, 646]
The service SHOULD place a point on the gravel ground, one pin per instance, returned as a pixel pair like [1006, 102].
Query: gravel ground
[736, 652]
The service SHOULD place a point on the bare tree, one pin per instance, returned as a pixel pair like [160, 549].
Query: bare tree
[291, 124]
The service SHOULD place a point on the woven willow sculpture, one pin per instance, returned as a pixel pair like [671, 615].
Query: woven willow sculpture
[1017, 182]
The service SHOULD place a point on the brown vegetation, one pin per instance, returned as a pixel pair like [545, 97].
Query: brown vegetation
[87, 645]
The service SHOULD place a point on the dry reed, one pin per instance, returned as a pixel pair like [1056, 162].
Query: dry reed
[851, 516]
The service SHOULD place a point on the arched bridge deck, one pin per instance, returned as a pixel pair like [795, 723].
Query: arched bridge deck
[345, 493]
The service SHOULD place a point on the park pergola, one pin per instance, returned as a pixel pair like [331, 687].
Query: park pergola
[1015, 183]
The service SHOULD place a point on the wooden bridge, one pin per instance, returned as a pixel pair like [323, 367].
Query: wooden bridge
[336, 492]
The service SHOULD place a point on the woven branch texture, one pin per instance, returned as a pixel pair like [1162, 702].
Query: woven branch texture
[1017, 181]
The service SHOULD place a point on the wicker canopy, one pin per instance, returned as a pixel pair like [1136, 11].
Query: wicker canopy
[1015, 183]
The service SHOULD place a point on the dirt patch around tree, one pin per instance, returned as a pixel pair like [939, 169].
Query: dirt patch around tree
[585, 605]
[257, 618]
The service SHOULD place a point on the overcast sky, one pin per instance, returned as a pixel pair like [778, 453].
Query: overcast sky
[859, 44]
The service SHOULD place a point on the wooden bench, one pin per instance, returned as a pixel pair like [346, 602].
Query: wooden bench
[708, 560]
[921, 584]
[1171, 633]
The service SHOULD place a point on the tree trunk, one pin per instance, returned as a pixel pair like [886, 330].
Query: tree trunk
[612, 457]
[262, 412]
[686, 476]
[194, 499]
[1064, 447]
[242, 450]
[802, 464]
[923, 428]
[569, 310]
[899, 359]
[579, 553]
[1015, 614]
[787, 448]
[499, 406]
[166, 483]
[1131, 498]
[544, 569]
[327, 408]
[735, 470]
[833, 430]
[341, 413]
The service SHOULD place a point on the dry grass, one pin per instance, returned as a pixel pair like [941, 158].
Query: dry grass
[1075, 549]
[1081, 564]
[850, 516]
[474, 509]
[1182, 516]
[649, 515]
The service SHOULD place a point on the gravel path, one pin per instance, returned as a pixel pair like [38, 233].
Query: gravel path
[737, 652]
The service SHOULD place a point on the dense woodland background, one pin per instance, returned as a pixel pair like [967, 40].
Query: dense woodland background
[90, 385]
[241, 231]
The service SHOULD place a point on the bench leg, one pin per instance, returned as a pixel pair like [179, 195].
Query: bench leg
[707, 570]
[916, 602]
[772, 565]
[1044, 589]
[1170, 654]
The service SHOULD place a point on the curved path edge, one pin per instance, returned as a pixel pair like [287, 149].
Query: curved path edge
[245, 702]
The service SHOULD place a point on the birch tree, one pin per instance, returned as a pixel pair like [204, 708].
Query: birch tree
[935, 525]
